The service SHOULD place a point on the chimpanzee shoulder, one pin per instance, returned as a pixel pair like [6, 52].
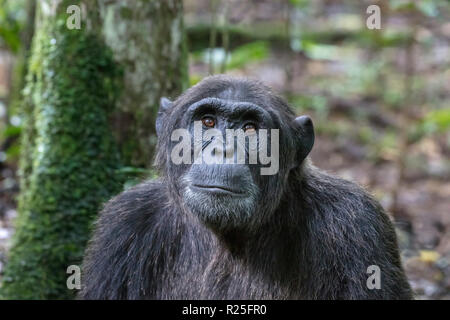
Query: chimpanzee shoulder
[124, 234]
[353, 232]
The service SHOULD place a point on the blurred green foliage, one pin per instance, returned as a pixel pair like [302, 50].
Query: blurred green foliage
[427, 7]
[12, 20]
[437, 121]
[248, 53]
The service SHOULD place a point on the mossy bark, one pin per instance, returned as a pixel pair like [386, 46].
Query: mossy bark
[21, 103]
[70, 162]
[20, 68]
[148, 40]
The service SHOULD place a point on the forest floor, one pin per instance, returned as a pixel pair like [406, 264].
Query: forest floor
[425, 245]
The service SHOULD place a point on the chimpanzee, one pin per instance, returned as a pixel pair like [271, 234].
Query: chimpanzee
[229, 231]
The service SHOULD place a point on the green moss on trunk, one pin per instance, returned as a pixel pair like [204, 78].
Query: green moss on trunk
[73, 163]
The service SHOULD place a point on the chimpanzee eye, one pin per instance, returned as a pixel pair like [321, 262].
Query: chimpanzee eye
[250, 128]
[208, 122]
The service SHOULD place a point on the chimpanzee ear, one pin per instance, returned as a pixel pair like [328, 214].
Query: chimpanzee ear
[164, 106]
[305, 130]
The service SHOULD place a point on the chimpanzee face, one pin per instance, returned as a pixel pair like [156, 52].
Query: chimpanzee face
[229, 154]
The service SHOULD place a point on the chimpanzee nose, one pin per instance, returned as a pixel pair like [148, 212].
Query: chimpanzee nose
[222, 150]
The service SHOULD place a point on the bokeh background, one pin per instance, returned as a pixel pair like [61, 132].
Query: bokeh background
[379, 100]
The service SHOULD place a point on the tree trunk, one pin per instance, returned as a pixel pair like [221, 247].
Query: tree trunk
[22, 104]
[147, 38]
[73, 164]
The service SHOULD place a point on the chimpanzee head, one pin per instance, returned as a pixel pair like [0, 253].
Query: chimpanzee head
[227, 147]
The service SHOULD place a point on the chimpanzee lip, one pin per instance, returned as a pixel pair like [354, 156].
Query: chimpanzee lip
[217, 189]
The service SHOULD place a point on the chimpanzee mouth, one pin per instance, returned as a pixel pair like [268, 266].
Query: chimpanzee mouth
[224, 190]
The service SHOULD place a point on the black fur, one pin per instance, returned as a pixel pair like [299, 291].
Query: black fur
[316, 239]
